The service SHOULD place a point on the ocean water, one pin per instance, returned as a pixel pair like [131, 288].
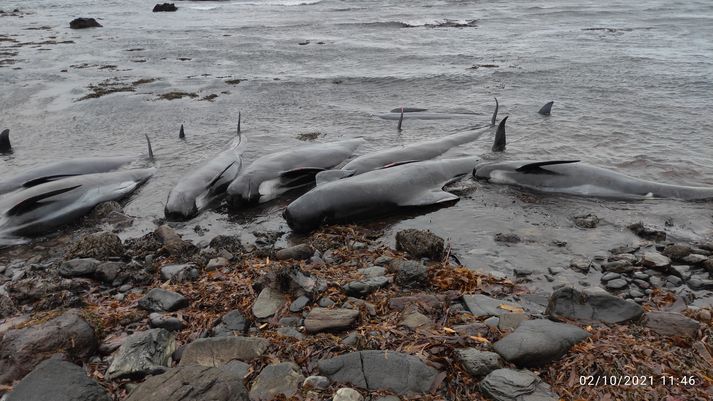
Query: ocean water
[631, 82]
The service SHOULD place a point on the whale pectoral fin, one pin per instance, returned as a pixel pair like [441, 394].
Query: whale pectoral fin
[324, 177]
[45, 179]
[35, 202]
[431, 198]
[219, 176]
[299, 176]
[394, 164]
[536, 168]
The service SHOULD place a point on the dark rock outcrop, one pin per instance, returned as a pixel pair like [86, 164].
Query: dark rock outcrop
[420, 244]
[537, 342]
[591, 304]
[192, 383]
[165, 7]
[82, 23]
[143, 353]
[58, 380]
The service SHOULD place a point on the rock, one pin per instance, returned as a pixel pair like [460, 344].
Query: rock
[275, 380]
[99, 246]
[610, 276]
[411, 274]
[172, 242]
[631, 258]
[591, 304]
[416, 320]
[383, 260]
[58, 380]
[671, 324]
[170, 323]
[681, 271]
[143, 353]
[516, 385]
[695, 259]
[387, 398]
[642, 284]
[298, 304]
[708, 265]
[508, 238]
[109, 272]
[420, 244]
[326, 302]
[617, 284]
[218, 351]
[580, 264]
[427, 303]
[647, 232]
[217, 263]
[481, 305]
[634, 293]
[537, 342]
[192, 383]
[229, 243]
[373, 271]
[380, 370]
[521, 272]
[677, 251]
[347, 394]
[586, 221]
[656, 261]
[240, 368]
[700, 284]
[179, 273]
[21, 350]
[82, 23]
[673, 282]
[317, 382]
[479, 363]
[297, 252]
[618, 266]
[641, 276]
[362, 288]
[290, 332]
[160, 300]
[230, 324]
[510, 321]
[472, 329]
[322, 319]
[82, 267]
[164, 7]
[268, 302]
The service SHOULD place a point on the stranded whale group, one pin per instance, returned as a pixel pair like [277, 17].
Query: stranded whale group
[44, 198]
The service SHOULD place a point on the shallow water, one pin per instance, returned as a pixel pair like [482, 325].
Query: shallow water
[632, 87]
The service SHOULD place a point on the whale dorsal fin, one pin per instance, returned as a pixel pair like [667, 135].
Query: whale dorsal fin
[431, 197]
[5, 146]
[34, 202]
[500, 141]
[536, 168]
[546, 109]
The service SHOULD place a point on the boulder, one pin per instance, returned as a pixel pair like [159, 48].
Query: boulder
[420, 244]
[516, 385]
[179, 273]
[172, 243]
[142, 353]
[656, 261]
[479, 363]
[165, 7]
[21, 350]
[82, 23]
[411, 274]
[482, 306]
[537, 342]
[671, 324]
[192, 383]
[80, 267]
[347, 394]
[268, 302]
[365, 287]
[99, 246]
[380, 370]
[170, 323]
[586, 221]
[58, 380]
[218, 351]
[232, 323]
[323, 319]
[281, 379]
[297, 252]
[160, 300]
[591, 304]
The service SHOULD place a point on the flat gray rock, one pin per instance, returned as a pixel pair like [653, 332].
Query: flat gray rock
[482, 306]
[365, 287]
[275, 380]
[218, 351]
[231, 324]
[479, 363]
[179, 273]
[78, 267]
[591, 304]
[323, 319]
[671, 324]
[516, 385]
[160, 300]
[297, 252]
[143, 353]
[537, 342]
[268, 302]
[380, 370]
[58, 380]
[192, 383]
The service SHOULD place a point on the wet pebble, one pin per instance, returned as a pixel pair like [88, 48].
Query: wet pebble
[610, 276]
[617, 284]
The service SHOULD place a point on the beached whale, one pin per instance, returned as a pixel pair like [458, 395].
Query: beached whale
[43, 208]
[205, 184]
[423, 115]
[575, 178]
[5, 146]
[377, 192]
[419, 151]
[272, 175]
[67, 168]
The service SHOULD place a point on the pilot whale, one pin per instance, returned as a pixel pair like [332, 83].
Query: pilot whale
[419, 151]
[271, 175]
[67, 168]
[45, 207]
[205, 184]
[377, 192]
[576, 178]
[5, 146]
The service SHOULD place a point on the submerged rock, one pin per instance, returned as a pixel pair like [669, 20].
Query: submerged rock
[537, 342]
[82, 23]
[192, 383]
[591, 304]
[276, 380]
[142, 353]
[516, 385]
[165, 7]
[58, 380]
[420, 244]
[646, 232]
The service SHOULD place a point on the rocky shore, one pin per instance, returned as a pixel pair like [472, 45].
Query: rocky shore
[341, 316]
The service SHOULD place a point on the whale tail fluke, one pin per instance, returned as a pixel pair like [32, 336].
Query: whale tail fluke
[239, 123]
[401, 119]
[5, 146]
[500, 141]
[148, 142]
[495, 113]
[181, 133]
[546, 109]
